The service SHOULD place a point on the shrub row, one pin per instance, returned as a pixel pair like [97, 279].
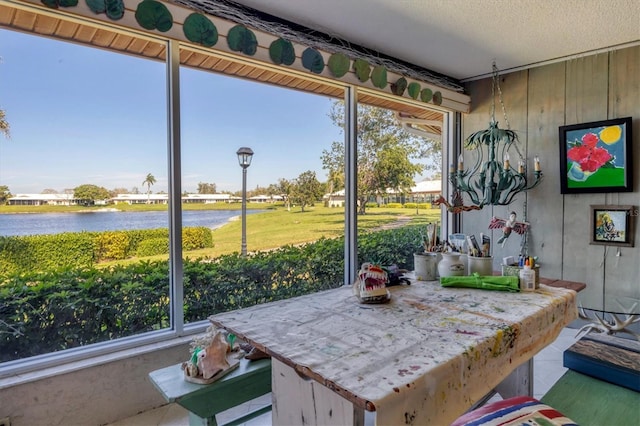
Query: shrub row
[21, 254]
[42, 312]
[407, 205]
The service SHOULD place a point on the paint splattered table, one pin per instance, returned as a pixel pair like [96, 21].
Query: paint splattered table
[423, 358]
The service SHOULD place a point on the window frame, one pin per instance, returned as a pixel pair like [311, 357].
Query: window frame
[178, 329]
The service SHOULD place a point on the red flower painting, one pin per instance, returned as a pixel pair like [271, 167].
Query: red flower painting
[589, 156]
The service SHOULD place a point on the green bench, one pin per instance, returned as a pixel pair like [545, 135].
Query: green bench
[250, 380]
[590, 401]
[602, 384]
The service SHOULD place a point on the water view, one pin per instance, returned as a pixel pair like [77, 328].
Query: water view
[55, 223]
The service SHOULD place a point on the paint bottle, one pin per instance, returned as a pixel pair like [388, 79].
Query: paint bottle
[527, 277]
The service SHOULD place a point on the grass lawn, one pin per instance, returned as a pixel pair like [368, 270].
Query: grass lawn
[279, 227]
[270, 229]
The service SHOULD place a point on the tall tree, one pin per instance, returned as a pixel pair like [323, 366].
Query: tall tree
[206, 188]
[306, 190]
[283, 188]
[4, 125]
[335, 182]
[88, 194]
[115, 191]
[388, 156]
[149, 181]
[5, 194]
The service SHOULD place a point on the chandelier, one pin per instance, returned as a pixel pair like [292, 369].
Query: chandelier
[492, 180]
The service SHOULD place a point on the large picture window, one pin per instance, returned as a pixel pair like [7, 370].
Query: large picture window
[84, 177]
[94, 174]
[287, 131]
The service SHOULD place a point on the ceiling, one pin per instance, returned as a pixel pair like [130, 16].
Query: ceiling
[462, 38]
[31, 20]
[450, 37]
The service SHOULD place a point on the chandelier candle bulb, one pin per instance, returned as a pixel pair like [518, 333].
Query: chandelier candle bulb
[460, 162]
[536, 163]
[506, 161]
[520, 166]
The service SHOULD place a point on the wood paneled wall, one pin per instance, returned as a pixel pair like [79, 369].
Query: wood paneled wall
[538, 101]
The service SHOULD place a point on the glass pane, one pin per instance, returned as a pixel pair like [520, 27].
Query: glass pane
[84, 178]
[399, 175]
[293, 237]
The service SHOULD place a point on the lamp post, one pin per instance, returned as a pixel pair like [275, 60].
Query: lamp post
[244, 158]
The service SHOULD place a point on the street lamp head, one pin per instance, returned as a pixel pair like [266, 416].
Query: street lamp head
[244, 157]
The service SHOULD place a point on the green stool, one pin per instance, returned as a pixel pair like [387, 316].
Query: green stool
[250, 380]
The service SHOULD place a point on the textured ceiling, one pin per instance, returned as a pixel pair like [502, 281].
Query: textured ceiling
[462, 38]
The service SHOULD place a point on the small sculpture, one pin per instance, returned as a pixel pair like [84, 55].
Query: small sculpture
[370, 286]
[609, 327]
[457, 206]
[211, 358]
[507, 226]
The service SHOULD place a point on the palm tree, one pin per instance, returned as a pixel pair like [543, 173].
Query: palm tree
[4, 124]
[149, 180]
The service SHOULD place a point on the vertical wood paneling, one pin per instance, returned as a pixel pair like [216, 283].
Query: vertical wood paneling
[546, 110]
[514, 94]
[586, 89]
[474, 222]
[621, 267]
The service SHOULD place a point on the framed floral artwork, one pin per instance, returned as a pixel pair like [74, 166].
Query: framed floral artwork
[612, 225]
[596, 157]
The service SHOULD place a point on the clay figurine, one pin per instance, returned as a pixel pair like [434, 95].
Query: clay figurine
[211, 358]
[370, 285]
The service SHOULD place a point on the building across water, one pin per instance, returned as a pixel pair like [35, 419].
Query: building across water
[422, 192]
[69, 200]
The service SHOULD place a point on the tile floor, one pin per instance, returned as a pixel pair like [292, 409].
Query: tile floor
[547, 370]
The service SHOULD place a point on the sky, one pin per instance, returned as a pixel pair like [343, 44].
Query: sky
[82, 115]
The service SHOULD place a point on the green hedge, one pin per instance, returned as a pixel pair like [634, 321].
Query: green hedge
[414, 206]
[22, 254]
[43, 312]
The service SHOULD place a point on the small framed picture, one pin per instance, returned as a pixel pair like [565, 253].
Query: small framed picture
[596, 157]
[612, 225]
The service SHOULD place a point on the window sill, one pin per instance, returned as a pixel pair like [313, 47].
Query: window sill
[76, 365]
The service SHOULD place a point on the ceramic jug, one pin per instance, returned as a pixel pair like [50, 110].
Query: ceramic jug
[450, 265]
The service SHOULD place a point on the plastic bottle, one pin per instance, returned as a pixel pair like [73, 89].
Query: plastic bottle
[527, 277]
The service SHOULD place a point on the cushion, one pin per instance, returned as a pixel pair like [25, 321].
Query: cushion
[518, 410]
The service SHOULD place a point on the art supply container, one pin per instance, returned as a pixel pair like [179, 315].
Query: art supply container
[514, 271]
[482, 265]
[425, 266]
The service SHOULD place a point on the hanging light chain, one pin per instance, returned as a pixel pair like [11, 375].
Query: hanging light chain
[496, 87]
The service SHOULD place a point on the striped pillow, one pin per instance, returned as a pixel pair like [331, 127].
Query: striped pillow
[514, 411]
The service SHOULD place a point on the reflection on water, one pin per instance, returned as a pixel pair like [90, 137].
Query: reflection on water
[55, 223]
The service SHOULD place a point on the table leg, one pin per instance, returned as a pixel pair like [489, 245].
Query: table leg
[519, 382]
[195, 420]
[297, 400]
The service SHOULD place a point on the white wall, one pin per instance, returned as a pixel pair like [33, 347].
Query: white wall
[84, 393]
